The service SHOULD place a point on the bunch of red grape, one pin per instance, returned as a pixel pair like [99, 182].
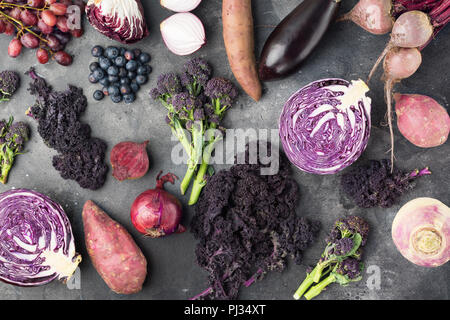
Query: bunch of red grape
[41, 24]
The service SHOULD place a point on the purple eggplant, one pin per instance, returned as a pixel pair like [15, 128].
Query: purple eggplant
[295, 38]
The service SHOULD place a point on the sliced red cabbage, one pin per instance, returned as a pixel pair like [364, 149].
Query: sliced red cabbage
[120, 20]
[325, 126]
[36, 240]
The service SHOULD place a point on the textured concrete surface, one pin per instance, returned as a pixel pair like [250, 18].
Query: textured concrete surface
[346, 51]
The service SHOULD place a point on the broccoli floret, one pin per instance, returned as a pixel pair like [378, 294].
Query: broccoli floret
[9, 83]
[12, 141]
[222, 92]
[375, 185]
[196, 73]
[168, 84]
[345, 241]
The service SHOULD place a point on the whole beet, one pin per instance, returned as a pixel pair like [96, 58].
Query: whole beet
[115, 255]
[156, 212]
[129, 160]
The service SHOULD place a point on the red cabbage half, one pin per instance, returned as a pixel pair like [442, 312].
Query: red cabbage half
[36, 241]
[325, 126]
[120, 20]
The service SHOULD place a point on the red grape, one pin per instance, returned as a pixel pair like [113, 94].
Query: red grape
[58, 9]
[61, 24]
[66, 2]
[49, 18]
[45, 28]
[50, 1]
[15, 13]
[63, 58]
[10, 29]
[14, 48]
[29, 40]
[36, 3]
[81, 4]
[2, 26]
[28, 18]
[53, 43]
[77, 33]
[42, 56]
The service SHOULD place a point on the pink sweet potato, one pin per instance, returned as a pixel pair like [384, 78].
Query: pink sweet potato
[115, 255]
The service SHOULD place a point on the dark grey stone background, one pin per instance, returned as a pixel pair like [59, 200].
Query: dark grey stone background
[346, 51]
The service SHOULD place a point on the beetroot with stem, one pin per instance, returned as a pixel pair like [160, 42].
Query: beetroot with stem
[399, 63]
[156, 212]
[373, 16]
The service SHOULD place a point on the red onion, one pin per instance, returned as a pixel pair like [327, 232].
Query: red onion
[183, 33]
[157, 213]
[180, 5]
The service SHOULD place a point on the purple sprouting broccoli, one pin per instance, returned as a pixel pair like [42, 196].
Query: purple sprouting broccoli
[13, 136]
[374, 185]
[195, 103]
[343, 273]
[345, 241]
[222, 93]
[195, 76]
[9, 83]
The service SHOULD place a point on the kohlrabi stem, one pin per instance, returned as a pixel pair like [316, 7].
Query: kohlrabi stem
[318, 288]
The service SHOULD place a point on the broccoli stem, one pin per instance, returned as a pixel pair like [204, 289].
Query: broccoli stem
[305, 284]
[7, 159]
[187, 179]
[318, 288]
[196, 152]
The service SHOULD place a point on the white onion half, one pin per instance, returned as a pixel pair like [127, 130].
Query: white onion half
[183, 33]
[180, 5]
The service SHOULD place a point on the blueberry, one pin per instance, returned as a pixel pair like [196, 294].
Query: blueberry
[97, 51]
[129, 98]
[143, 70]
[105, 91]
[129, 55]
[113, 79]
[98, 95]
[112, 52]
[99, 74]
[104, 62]
[123, 73]
[131, 65]
[116, 99]
[113, 91]
[92, 78]
[104, 82]
[135, 86]
[140, 79]
[94, 65]
[122, 51]
[144, 57]
[120, 61]
[125, 89]
[137, 52]
[132, 75]
[113, 71]
[125, 81]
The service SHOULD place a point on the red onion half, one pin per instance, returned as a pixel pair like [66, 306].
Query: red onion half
[183, 33]
[156, 212]
[36, 240]
[180, 5]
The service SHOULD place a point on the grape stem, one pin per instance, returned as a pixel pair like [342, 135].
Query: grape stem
[21, 6]
[22, 27]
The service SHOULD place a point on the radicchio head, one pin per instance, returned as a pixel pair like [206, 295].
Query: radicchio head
[120, 20]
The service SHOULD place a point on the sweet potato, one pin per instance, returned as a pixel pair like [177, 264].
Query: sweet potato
[115, 255]
[240, 44]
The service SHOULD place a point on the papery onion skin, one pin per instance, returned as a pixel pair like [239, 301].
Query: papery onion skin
[183, 33]
[33, 226]
[120, 20]
[180, 5]
[325, 140]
